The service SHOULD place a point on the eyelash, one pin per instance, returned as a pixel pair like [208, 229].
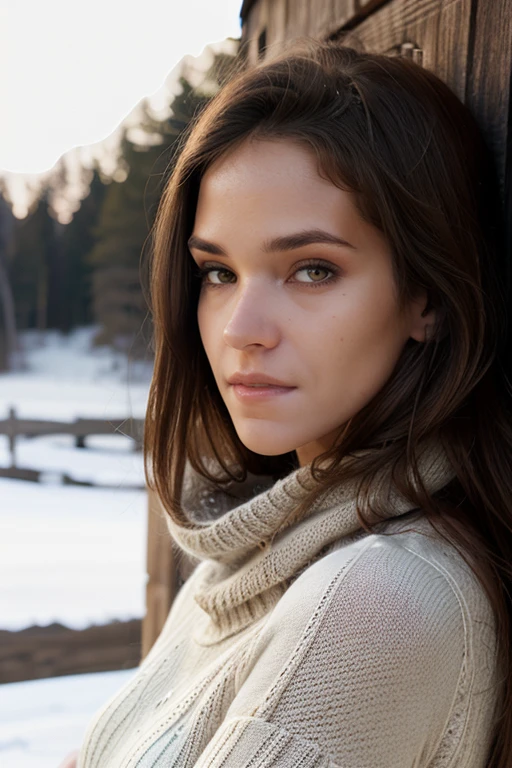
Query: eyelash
[201, 273]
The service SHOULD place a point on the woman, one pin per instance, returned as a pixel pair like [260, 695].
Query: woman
[328, 432]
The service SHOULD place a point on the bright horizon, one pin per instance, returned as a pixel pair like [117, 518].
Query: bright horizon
[75, 71]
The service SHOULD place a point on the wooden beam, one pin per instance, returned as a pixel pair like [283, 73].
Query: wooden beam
[35, 427]
[162, 581]
[437, 28]
[54, 650]
[488, 91]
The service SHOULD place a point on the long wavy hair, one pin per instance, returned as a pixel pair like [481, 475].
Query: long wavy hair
[411, 153]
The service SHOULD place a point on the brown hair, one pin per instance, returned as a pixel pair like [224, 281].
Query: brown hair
[397, 137]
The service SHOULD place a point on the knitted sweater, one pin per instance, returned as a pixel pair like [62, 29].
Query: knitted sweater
[333, 648]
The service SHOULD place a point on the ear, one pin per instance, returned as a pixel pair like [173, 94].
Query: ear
[422, 318]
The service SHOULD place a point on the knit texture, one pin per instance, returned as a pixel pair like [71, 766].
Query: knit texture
[332, 648]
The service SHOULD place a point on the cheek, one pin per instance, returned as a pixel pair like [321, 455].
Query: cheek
[359, 340]
[371, 310]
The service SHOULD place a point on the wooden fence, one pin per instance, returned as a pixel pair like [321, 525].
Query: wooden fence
[14, 427]
[38, 652]
[167, 570]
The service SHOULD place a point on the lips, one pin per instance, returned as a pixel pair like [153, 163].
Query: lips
[251, 394]
[255, 379]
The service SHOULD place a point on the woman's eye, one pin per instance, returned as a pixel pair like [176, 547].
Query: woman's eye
[319, 274]
[207, 271]
[314, 269]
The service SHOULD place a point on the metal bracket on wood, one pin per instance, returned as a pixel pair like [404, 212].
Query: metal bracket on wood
[411, 51]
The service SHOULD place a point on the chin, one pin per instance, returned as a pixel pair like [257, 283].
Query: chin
[266, 450]
[266, 445]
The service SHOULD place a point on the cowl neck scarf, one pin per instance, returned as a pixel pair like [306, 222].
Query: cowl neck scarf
[242, 581]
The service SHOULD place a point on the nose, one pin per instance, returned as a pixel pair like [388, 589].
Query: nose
[252, 318]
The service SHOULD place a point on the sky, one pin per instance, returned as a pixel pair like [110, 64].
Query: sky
[71, 70]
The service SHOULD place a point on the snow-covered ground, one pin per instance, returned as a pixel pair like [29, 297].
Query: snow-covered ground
[66, 377]
[71, 554]
[42, 721]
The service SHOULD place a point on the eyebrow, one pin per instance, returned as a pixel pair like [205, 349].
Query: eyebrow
[283, 243]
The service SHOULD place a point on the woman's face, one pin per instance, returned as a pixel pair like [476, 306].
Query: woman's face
[300, 289]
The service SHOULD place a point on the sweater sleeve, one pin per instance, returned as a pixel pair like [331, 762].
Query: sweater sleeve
[373, 679]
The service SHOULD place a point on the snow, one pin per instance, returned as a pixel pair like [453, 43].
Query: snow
[42, 721]
[73, 554]
[69, 554]
[66, 377]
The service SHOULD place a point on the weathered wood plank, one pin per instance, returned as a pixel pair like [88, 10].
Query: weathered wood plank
[276, 25]
[168, 568]
[33, 427]
[308, 17]
[162, 582]
[386, 29]
[55, 650]
[488, 89]
[440, 29]
[369, 5]
[453, 45]
[321, 18]
[298, 18]
[343, 11]
[250, 30]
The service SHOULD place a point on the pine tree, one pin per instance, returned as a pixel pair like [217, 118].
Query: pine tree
[77, 241]
[34, 242]
[128, 212]
[8, 336]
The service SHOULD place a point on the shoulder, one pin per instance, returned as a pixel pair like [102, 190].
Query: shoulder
[387, 638]
[407, 564]
[409, 595]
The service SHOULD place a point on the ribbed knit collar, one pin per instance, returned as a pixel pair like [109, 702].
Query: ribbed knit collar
[243, 581]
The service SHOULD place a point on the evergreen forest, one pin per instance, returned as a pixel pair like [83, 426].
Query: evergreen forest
[88, 271]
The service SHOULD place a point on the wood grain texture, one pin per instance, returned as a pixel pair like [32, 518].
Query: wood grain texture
[250, 30]
[488, 91]
[440, 29]
[369, 5]
[343, 12]
[161, 586]
[298, 17]
[321, 18]
[454, 44]
[276, 25]
[398, 22]
[54, 650]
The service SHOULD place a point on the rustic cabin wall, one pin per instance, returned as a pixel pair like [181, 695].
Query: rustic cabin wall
[440, 31]
[298, 18]
[468, 43]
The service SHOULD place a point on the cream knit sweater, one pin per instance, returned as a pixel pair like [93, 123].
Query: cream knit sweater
[331, 649]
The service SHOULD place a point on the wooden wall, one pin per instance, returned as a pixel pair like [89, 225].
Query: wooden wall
[468, 43]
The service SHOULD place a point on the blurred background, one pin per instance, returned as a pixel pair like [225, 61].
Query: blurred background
[94, 98]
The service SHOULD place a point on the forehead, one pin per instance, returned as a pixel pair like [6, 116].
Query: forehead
[269, 179]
